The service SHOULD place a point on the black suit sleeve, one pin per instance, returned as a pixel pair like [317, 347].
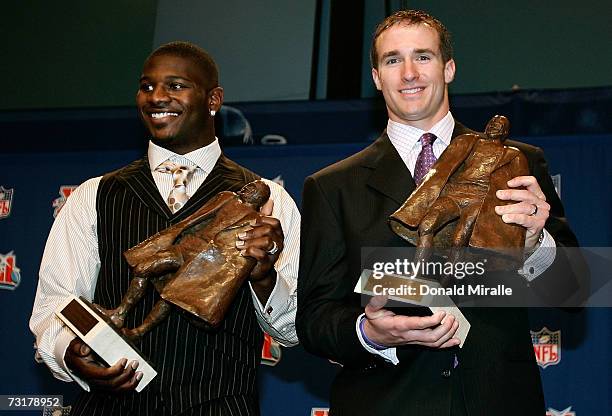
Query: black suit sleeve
[567, 281]
[327, 307]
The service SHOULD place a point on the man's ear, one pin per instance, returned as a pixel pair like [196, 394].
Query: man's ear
[376, 79]
[449, 71]
[215, 99]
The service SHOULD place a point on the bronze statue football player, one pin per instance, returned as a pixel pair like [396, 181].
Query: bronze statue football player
[194, 264]
[454, 206]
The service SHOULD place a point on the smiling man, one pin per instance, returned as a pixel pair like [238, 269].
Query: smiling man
[200, 372]
[404, 363]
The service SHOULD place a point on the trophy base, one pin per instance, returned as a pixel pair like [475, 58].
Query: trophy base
[96, 330]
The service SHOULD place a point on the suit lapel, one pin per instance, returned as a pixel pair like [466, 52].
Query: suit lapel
[390, 176]
[461, 129]
[225, 176]
[137, 177]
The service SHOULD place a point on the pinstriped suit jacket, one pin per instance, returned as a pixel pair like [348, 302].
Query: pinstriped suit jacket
[194, 365]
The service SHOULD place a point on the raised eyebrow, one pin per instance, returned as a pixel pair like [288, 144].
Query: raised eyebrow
[168, 79]
[389, 54]
[177, 78]
[424, 50]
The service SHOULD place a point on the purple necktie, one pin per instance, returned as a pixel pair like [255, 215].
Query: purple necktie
[426, 158]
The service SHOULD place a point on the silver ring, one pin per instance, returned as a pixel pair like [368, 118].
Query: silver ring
[274, 248]
[535, 210]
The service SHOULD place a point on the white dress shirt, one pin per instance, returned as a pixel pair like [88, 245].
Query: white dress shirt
[406, 141]
[71, 262]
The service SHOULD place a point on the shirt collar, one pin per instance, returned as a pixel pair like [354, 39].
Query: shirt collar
[409, 135]
[205, 157]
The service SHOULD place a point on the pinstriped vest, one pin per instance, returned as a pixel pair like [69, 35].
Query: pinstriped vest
[193, 365]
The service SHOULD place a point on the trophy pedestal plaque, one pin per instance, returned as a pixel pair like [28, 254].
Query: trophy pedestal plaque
[102, 337]
[413, 292]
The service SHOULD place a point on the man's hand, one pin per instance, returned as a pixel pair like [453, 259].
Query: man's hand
[264, 242]
[388, 329]
[82, 361]
[531, 210]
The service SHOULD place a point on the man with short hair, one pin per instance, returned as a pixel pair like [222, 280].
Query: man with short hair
[403, 363]
[200, 371]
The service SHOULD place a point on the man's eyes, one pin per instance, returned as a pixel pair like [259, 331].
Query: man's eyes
[177, 86]
[418, 58]
[173, 86]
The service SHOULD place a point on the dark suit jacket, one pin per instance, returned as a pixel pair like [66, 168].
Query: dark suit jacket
[345, 207]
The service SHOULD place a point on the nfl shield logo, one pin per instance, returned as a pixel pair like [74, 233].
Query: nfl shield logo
[58, 203]
[566, 412]
[271, 351]
[9, 273]
[6, 197]
[547, 346]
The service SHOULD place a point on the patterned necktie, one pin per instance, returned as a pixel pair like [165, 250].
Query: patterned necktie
[181, 174]
[426, 158]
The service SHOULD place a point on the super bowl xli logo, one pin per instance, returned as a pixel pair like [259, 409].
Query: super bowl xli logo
[6, 199]
[319, 411]
[10, 275]
[547, 346]
[566, 412]
[58, 203]
[271, 351]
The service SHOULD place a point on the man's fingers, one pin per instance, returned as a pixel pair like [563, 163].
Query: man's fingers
[518, 195]
[116, 369]
[432, 331]
[255, 252]
[522, 181]
[440, 323]
[531, 210]
[528, 182]
[374, 309]
[267, 208]
[443, 340]
[424, 322]
[375, 304]
[260, 247]
[78, 348]
[84, 350]
[118, 375]
[436, 337]
[264, 225]
[131, 383]
[525, 208]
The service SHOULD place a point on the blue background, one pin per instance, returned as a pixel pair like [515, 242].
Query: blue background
[67, 155]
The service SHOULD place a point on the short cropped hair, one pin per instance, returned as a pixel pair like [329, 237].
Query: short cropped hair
[196, 54]
[413, 17]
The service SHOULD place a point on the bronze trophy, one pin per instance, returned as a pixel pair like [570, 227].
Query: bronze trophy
[454, 206]
[194, 264]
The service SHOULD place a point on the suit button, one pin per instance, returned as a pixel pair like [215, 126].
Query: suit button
[446, 373]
